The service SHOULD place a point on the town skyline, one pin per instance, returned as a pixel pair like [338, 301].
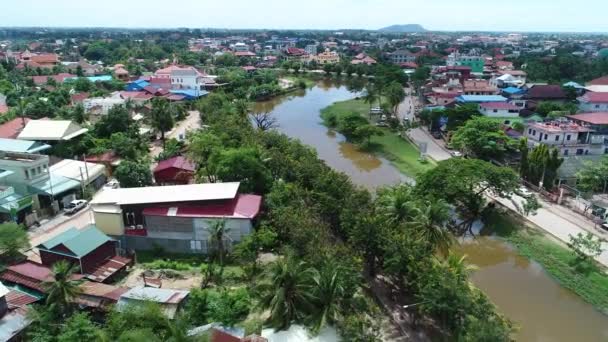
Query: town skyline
[549, 16]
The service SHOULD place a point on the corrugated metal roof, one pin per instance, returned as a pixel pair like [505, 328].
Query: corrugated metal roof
[50, 130]
[78, 170]
[80, 241]
[168, 194]
[55, 185]
[167, 296]
[23, 146]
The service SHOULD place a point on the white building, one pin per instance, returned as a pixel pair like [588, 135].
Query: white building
[102, 105]
[593, 102]
[499, 109]
[568, 137]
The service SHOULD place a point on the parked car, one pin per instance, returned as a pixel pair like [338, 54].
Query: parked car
[436, 134]
[75, 206]
[524, 192]
[112, 184]
[456, 154]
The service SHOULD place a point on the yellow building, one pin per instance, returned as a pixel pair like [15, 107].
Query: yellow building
[327, 57]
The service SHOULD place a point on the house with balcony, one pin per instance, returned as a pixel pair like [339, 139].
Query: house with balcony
[593, 102]
[402, 56]
[598, 122]
[569, 137]
[177, 217]
[499, 109]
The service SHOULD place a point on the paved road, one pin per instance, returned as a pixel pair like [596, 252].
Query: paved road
[560, 222]
[191, 122]
[434, 149]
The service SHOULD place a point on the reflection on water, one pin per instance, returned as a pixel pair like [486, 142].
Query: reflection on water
[298, 117]
[362, 160]
[524, 292]
[521, 289]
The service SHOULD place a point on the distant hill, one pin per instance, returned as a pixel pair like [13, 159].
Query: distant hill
[403, 28]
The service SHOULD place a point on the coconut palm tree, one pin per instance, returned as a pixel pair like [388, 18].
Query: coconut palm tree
[458, 265]
[62, 288]
[429, 221]
[371, 96]
[218, 232]
[329, 291]
[286, 291]
[396, 204]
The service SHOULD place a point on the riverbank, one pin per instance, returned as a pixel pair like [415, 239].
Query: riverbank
[588, 279]
[400, 152]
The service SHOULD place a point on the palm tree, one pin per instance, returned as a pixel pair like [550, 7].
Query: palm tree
[429, 220]
[396, 203]
[458, 265]
[329, 291]
[161, 117]
[218, 231]
[62, 288]
[395, 95]
[371, 96]
[287, 291]
[241, 107]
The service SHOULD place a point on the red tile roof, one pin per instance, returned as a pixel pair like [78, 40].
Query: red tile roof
[59, 78]
[409, 65]
[292, 51]
[178, 162]
[79, 97]
[599, 118]
[244, 54]
[599, 81]
[11, 129]
[222, 336]
[104, 158]
[243, 206]
[45, 58]
[594, 98]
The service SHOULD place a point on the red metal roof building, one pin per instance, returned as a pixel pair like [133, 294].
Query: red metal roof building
[176, 170]
[599, 118]
[11, 129]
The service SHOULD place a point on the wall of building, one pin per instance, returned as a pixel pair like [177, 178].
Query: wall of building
[499, 113]
[593, 107]
[48, 258]
[109, 223]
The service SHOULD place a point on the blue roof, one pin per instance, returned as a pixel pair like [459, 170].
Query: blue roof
[480, 98]
[192, 93]
[22, 146]
[80, 241]
[142, 83]
[513, 90]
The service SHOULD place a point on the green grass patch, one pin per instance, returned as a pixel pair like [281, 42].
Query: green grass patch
[402, 153]
[297, 79]
[586, 279]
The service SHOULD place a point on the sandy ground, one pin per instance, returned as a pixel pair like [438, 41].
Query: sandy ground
[187, 281]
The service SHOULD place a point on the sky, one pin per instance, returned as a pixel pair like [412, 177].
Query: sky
[441, 15]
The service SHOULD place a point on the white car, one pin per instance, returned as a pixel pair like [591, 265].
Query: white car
[456, 154]
[112, 184]
[524, 192]
[75, 206]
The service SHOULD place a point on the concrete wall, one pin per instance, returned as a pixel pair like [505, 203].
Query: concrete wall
[593, 107]
[109, 223]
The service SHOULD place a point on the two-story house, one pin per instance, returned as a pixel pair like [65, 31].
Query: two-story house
[568, 137]
[593, 102]
[598, 122]
[401, 56]
[179, 218]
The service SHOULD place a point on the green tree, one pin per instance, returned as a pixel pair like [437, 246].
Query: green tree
[463, 182]
[78, 327]
[218, 232]
[133, 174]
[586, 245]
[161, 117]
[243, 165]
[13, 240]
[201, 146]
[286, 291]
[348, 123]
[366, 132]
[62, 289]
[543, 164]
[371, 96]
[483, 138]
[229, 307]
[395, 95]
[82, 84]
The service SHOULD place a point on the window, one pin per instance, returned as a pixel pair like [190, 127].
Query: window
[579, 151]
[566, 152]
[533, 132]
[495, 110]
[557, 138]
[546, 136]
[27, 174]
[597, 106]
[196, 245]
[568, 137]
[39, 170]
[529, 130]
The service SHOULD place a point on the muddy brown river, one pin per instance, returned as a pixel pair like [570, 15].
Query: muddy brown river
[543, 310]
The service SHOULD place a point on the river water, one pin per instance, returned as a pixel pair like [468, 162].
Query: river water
[543, 310]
